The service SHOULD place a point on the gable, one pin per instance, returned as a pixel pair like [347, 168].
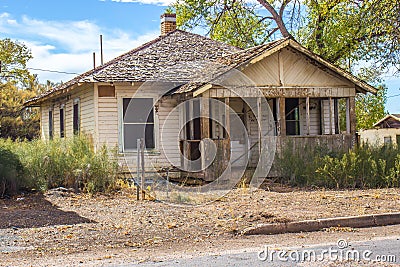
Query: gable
[290, 68]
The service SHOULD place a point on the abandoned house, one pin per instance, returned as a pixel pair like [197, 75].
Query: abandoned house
[116, 103]
[384, 132]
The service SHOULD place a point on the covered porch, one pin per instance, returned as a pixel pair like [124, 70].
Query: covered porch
[300, 116]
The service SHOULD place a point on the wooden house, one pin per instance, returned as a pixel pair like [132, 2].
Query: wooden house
[142, 89]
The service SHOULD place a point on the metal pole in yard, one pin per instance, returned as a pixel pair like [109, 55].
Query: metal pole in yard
[137, 169]
[143, 170]
[167, 183]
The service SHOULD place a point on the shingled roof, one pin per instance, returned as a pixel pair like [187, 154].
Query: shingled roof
[157, 58]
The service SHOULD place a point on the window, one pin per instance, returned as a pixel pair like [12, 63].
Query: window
[387, 140]
[76, 124]
[138, 122]
[292, 116]
[51, 124]
[398, 140]
[62, 122]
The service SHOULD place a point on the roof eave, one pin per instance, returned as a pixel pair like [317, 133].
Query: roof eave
[385, 118]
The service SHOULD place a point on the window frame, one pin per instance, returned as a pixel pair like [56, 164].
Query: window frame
[62, 120]
[297, 117]
[123, 123]
[51, 124]
[76, 125]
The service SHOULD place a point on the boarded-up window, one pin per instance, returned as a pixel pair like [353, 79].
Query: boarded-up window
[62, 122]
[138, 122]
[51, 124]
[292, 116]
[76, 117]
[106, 91]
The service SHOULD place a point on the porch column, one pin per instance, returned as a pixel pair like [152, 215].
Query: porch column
[204, 132]
[191, 121]
[259, 118]
[308, 114]
[227, 144]
[331, 113]
[282, 117]
[352, 115]
[227, 118]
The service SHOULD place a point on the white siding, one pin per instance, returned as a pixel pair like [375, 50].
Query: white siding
[85, 94]
[288, 68]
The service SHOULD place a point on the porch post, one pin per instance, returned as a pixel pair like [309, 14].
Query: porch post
[204, 132]
[227, 118]
[282, 117]
[226, 143]
[348, 115]
[191, 121]
[352, 113]
[331, 113]
[308, 114]
[259, 118]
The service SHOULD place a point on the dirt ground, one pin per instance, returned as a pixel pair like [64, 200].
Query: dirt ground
[68, 229]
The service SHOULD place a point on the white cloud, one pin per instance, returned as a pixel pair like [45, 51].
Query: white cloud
[148, 2]
[67, 46]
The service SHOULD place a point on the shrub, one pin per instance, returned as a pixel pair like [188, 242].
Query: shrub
[71, 162]
[361, 167]
[11, 171]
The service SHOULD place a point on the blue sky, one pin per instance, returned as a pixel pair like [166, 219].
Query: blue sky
[63, 34]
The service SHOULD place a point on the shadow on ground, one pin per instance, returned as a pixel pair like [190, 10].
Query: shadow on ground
[34, 210]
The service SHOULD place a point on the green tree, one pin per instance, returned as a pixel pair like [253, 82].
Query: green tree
[338, 30]
[16, 86]
[348, 33]
[14, 57]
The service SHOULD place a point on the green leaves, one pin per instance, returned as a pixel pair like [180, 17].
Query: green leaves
[235, 22]
[370, 108]
[14, 57]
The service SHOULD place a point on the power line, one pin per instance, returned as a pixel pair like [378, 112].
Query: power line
[56, 71]
[393, 96]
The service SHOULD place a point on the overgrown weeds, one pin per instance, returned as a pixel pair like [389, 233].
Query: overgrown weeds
[362, 167]
[71, 163]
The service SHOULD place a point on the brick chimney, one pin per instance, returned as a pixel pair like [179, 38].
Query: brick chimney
[168, 23]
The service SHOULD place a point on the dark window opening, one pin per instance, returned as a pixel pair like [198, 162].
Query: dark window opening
[51, 124]
[387, 140]
[398, 140]
[76, 118]
[138, 122]
[292, 116]
[192, 126]
[62, 123]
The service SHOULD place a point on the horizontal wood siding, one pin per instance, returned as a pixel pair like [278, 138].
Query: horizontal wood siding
[85, 96]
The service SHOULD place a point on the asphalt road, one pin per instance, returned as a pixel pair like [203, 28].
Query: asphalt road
[369, 252]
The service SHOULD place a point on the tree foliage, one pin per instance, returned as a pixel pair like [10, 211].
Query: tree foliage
[16, 86]
[14, 57]
[347, 33]
[338, 30]
[370, 108]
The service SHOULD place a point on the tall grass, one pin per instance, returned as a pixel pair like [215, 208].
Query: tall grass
[362, 167]
[70, 162]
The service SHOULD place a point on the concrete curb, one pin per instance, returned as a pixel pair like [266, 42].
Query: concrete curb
[315, 225]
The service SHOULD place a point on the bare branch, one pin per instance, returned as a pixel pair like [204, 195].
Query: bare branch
[277, 18]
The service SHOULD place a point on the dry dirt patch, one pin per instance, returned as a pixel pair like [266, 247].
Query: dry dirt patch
[60, 223]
